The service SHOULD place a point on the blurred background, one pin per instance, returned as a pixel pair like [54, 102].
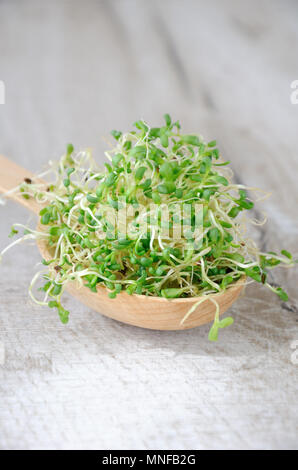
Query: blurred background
[73, 70]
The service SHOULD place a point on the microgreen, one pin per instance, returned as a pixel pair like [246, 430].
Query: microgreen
[157, 166]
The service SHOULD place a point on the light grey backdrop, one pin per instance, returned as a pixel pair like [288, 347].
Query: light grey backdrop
[73, 71]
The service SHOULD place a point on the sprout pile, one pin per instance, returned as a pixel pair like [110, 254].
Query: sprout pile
[182, 230]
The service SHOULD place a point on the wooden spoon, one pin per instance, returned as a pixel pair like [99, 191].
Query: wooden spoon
[155, 313]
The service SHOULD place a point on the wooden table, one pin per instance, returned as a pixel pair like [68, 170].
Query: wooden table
[75, 70]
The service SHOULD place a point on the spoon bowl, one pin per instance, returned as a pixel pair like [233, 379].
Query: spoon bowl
[155, 313]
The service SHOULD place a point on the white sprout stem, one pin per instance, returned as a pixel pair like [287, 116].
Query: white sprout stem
[29, 236]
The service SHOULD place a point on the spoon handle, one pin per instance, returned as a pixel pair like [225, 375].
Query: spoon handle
[11, 175]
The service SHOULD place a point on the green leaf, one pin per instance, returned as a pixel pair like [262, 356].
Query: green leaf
[222, 164]
[225, 322]
[242, 194]
[234, 212]
[13, 232]
[269, 261]
[190, 139]
[287, 254]
[116, 159]
[206, 194]
[99, 189]
[116, 134]
[113, 203]
[228, 237]
[221, 180]
[161, 269]
[156, 197]
[63, 314]
[55, 231]
[245, 204]
[124, 242]
[69, 149]
[110, 180]
[46, 263]
[164, 140]
[255, 273]
[138, 152]
[282, 294]
[226, 281]
[171, 293]
[213, 332]
[127, 145]
[154, 132]
[56, 289]
[179, 193]
[157, 155]
[140, 173]
[225, 224]
[69, 171]
[147, 183]
[236, 257]
[166, 188]
[205, 165]
[146, 262]
[196, 178]
[169, 171]
[215, 153]
[92, 199]
[214, 234]
[45, 219]
[141, 125]
[168, 120]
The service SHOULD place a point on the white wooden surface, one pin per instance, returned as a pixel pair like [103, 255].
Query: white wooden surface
[73, 71]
